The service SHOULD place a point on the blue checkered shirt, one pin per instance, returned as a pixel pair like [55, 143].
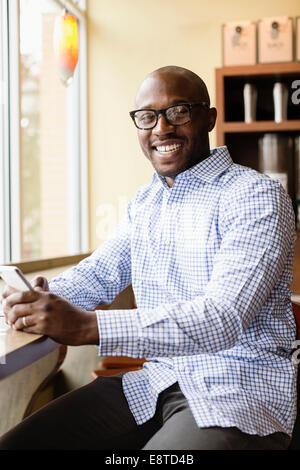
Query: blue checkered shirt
[210, 262]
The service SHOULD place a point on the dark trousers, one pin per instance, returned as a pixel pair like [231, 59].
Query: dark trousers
[97, 416]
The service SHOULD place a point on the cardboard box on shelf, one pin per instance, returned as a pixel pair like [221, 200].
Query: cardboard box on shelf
[239, 43]
[275, 39]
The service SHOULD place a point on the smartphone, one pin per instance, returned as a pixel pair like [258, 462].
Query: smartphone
[14, 277]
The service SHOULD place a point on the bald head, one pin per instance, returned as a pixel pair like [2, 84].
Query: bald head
[171, 72]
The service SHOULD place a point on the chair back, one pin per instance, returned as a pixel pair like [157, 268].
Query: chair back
[295, 442]
[296, 312]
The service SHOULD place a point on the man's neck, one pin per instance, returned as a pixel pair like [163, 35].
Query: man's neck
[171, 179]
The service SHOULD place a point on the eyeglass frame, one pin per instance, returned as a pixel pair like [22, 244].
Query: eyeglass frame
[163, 112]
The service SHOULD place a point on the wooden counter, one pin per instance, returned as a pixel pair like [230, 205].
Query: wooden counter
[27, 363]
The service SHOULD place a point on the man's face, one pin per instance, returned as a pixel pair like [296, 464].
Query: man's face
[173, 149]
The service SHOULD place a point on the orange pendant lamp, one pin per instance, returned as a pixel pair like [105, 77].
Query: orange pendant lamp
[66, 43]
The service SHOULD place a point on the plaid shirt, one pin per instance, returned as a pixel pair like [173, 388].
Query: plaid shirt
[210, 262]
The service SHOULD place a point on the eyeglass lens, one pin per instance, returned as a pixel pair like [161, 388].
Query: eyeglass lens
[176, 115]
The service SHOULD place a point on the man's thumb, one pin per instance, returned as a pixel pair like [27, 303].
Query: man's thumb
[40, 283]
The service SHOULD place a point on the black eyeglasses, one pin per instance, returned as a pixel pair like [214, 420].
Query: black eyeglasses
[175, 115]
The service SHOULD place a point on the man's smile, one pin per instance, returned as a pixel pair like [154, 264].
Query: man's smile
[167, 149]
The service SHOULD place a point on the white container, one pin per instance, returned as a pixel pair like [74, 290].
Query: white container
[275, 159]
[250, 100]
[280, 98]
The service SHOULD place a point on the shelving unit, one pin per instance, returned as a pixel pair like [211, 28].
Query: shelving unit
[229, 96]
[242, 138]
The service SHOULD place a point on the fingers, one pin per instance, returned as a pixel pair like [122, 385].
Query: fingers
[15, 314]
[25, 323]
[40, 283]
[8, 291]
[30, 323]
[17, 297]
[18, 303]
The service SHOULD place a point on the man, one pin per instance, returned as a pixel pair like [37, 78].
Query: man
[208, 248]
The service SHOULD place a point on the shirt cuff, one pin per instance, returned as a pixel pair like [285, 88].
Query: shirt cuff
[118, 333]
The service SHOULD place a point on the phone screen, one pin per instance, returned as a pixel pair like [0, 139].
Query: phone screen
[14, 277]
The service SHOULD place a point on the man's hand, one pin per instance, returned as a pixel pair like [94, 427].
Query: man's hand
[42, 312]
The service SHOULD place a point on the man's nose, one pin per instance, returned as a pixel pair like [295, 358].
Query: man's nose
[163, 126]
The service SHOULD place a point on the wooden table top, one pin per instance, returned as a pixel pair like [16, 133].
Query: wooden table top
[19, 349]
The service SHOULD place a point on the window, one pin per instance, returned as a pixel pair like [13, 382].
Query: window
[4, 131]
[81, 4]
[43, 200]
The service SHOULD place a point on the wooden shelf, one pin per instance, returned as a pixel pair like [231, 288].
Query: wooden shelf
[260, 126]
[260, 69]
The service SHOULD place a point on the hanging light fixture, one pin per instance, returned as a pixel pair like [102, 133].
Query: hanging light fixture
[66, 44]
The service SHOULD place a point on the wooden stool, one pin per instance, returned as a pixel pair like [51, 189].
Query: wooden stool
[115, 365]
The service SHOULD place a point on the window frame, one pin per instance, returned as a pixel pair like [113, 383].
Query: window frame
[5, 224]
[10, 201]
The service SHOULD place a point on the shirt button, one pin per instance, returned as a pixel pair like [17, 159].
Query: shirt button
[118, 350]
[181, 368]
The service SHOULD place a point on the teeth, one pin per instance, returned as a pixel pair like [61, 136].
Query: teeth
[168, 148]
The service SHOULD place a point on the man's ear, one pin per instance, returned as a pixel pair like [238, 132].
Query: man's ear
[212, 117]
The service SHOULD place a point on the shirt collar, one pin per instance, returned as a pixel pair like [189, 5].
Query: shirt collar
[207, 170]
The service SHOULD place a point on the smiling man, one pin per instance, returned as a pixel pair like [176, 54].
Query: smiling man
[208, 247]
[180, 140]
